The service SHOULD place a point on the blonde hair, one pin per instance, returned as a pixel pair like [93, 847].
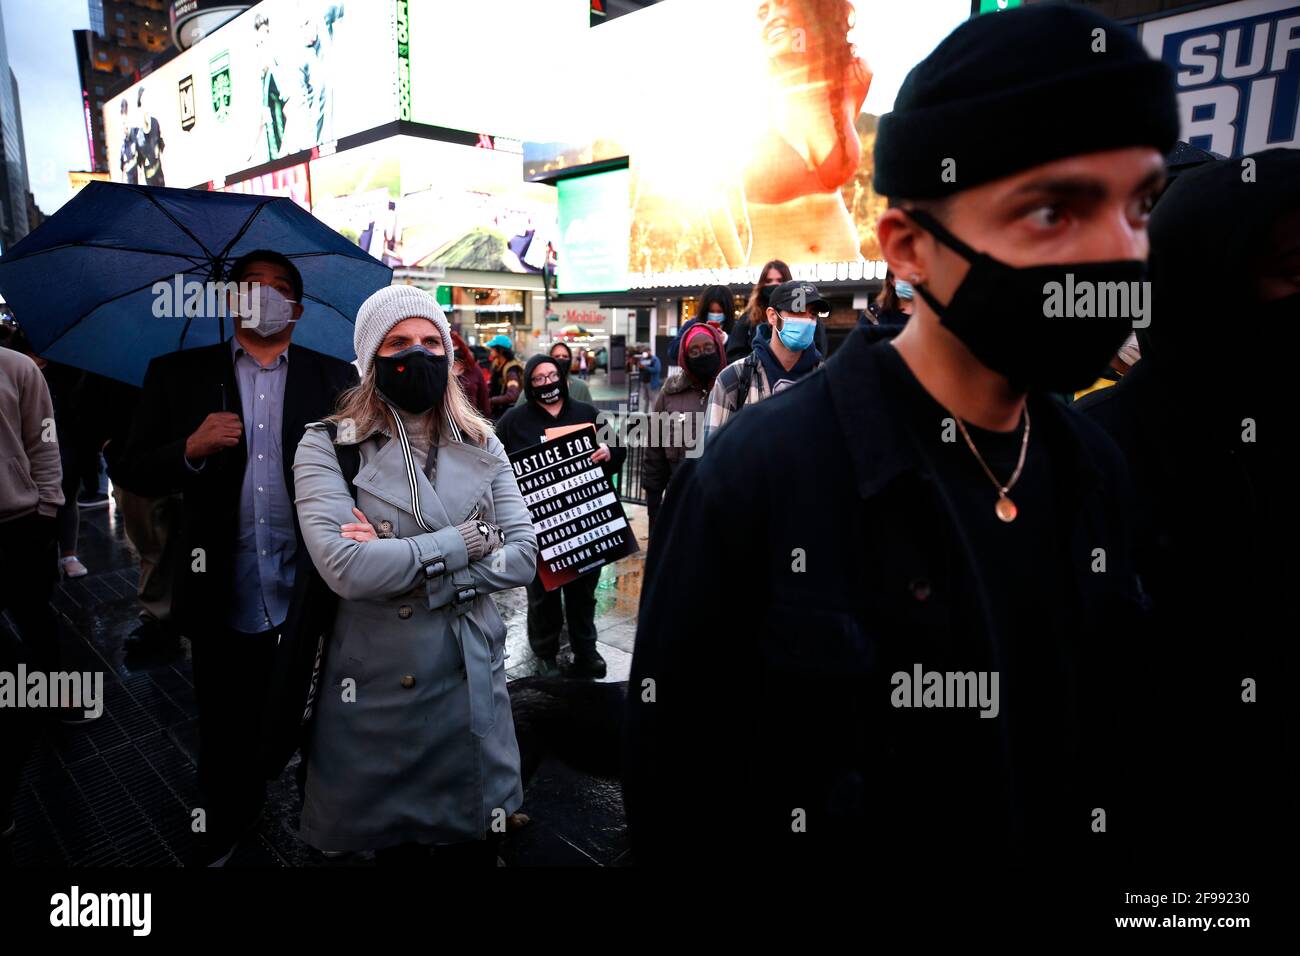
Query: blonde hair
[362, 405]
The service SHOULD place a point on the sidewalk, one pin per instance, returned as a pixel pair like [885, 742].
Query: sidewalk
[118, 791]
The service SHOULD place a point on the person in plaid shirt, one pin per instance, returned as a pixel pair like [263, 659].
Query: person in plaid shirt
[783, 355]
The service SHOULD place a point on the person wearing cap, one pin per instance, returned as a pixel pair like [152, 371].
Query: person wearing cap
[783, 354]
[412, 746]
[922, 519]
[550, 405]
[680, 410]
[1205, 430]
[507, 376]
[740, 340]
[221, 425]
[579, 390]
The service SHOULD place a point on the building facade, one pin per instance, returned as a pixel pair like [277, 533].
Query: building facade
[126, 40]
[14, 223]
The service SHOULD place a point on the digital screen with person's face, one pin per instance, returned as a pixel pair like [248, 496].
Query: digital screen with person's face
[767, 154]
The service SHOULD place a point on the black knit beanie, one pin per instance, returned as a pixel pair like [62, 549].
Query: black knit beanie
[1008, 91]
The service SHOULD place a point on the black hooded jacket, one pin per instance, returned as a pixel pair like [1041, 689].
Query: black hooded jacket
[1217, 513]
[524, 425]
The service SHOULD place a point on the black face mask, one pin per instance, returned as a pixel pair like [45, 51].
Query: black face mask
[703, 368]
[554, 392]
[1001, 313]
[765, 295]
[563, 365]
[414, 379]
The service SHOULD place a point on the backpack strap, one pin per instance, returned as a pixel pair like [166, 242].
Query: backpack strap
[746, 378]
[349, 456]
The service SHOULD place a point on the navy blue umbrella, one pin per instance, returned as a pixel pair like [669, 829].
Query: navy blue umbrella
[96, 286]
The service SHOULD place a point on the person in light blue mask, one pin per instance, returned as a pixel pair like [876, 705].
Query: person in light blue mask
[893, 305]
[783, 354]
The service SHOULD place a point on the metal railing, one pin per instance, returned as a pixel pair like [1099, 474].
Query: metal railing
[629, 478]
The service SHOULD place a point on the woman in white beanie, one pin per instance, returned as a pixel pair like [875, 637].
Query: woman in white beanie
[412, 749]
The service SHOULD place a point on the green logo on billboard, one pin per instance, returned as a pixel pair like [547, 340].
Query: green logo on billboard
[219, 68]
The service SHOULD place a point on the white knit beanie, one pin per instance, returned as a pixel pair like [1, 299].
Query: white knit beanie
[390, 305]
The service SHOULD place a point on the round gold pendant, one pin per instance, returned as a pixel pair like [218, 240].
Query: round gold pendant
[1006, 509]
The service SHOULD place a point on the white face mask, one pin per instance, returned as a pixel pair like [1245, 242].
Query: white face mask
[267, 312]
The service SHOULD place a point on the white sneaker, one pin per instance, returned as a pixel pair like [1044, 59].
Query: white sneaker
[72, 567]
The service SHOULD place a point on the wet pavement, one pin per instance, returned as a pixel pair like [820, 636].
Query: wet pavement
[118, 791]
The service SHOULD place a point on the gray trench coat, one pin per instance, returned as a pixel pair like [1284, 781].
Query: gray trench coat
[412, 738]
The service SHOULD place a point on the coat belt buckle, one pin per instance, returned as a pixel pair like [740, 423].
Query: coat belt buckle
[435, 569]
[464, 598]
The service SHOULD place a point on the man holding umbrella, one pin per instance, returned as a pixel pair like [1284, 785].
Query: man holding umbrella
[221, 423]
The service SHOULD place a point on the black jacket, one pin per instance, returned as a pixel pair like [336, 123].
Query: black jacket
[1218, 516]
[779, 703]
[180, 390]
[524, 425]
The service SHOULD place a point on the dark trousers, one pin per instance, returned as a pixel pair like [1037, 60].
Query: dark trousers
[546, 615]
[27, 575]
[29, 568]
[232, 674]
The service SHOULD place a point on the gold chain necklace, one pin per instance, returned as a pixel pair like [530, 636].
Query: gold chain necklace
[1005, 507]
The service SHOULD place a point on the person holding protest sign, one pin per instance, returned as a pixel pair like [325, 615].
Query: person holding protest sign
[935, 518]
[430, 525]
[550, 409]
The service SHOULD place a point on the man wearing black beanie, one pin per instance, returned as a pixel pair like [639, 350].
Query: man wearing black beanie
[928, 669]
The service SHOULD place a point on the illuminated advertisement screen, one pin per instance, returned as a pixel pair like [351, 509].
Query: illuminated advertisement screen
[283, 77]
[1237, 68]
[594, 222]
[291, 183]
[500, 66]
[767, 157]
[419, 203]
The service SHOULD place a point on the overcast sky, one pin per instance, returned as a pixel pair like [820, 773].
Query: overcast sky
[38, 34]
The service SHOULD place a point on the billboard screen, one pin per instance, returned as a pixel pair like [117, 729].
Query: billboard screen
[291, 183]
[1238, 73]
[499, 66]
[419, 203]
[594, 223]
[281, 78]
[768, 157]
